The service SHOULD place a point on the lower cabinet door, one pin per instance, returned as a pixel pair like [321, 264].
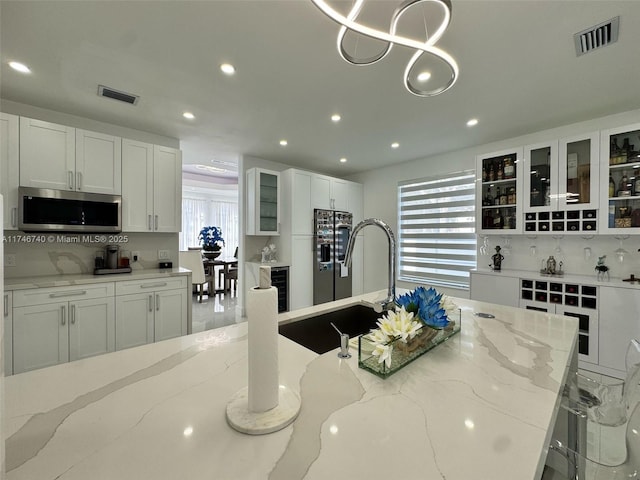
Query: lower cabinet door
[40, 336]
[134, 320]
[92, 327]
[170, 314]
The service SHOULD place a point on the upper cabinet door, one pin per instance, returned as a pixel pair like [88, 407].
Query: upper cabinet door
[47, 155]
[9, 170]
[98, 163]
[340, 194]
[137, 186]
[167, 189]
[620, 180]
[579, 172]
[263, 202]
[499, 192]
[321, 192]
[540, 177]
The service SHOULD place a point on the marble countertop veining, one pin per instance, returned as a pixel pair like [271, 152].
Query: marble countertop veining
[481, 405]
[24, 283]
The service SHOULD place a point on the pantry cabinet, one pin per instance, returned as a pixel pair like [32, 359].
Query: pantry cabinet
[63, 158]
[620, 180]
[151, 188]
[61, 324]
[9, 171]
[150, 310]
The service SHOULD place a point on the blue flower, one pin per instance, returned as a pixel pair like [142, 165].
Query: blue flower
[210, 237]
[426, 305]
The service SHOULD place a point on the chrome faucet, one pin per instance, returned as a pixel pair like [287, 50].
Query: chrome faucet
[389, 302]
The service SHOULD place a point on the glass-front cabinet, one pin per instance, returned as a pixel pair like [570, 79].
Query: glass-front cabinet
[500, 177]
[561, 185]
[620, 175]
[263, 202]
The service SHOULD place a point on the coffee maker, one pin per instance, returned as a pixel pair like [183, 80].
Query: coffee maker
[111, 261]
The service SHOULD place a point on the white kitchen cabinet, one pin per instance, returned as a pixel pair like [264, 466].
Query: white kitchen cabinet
[98, 163]
[150, 310]
[151, 188]
[301, 271]
[63, 158]
[59, 324]
[297, 205]
[9, 171]
[498, 288]
[329, 193]
[579, 172]
[619, 323]
[8, 333]
[263, 202]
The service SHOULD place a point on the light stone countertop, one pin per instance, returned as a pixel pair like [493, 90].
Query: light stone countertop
[24, 283]
[479, 406]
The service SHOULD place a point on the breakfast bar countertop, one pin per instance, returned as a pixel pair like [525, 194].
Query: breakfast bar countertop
[481, 405]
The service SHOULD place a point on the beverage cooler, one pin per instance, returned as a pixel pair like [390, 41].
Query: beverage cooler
[331, 278]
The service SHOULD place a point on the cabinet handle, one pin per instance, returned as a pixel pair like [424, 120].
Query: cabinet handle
[73, 314]
[14, 217]
[79, 181]
[67, 294]
[156, 222]
[150, 226]
[154, 285]
[63, 311]
[157, 302]
[151, 303]
[6, 305]
[70, 180]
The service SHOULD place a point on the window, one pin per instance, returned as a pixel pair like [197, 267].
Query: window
[200, 212]
[436, 220]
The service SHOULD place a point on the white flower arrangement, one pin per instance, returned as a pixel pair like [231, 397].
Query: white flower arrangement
[395, 325]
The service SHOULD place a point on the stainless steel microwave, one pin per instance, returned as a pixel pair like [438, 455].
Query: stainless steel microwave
[42, 209]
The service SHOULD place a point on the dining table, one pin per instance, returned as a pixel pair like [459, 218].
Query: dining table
[210, 268]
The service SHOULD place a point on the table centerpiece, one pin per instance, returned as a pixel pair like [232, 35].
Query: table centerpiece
[211, 238]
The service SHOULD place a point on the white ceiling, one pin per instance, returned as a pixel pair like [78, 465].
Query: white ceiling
[518, 74]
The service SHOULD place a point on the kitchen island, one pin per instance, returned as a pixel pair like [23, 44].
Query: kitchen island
[482, 405]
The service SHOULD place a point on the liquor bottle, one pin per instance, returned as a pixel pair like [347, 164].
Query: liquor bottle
[489, 197]
[500, 171]
[636, 185]
[492, 175]
[613, 151]
[484, 174]
[496, 200]
[503, 197]
[497, 219]
[623, 190]
[612, 187]
[624, 151]
[509, 168]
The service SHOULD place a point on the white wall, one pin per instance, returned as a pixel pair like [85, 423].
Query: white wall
[380, 200]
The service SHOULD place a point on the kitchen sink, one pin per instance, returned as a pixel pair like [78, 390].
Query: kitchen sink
[317, 334]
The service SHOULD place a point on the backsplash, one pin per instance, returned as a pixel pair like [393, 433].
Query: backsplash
[61, 254]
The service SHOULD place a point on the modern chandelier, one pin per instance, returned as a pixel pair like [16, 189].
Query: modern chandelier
[421, 48]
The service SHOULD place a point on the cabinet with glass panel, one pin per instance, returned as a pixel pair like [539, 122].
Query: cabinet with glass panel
[500, 179]
[561, 185]
[620, 174]
[263, 202]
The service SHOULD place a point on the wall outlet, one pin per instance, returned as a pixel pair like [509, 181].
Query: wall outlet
[135, 256]
[163, 254]
[10, 260]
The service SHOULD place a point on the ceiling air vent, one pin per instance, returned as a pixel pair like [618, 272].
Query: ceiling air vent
[117, 95]
[598, 36]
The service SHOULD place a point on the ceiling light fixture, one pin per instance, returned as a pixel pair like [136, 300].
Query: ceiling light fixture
[395, 145]
[188, 115]
[472, 123]
[19, 67]
[428, 47]
[335, 117]
[209, 168]
[228, 69]
[284, 143]
[424, 76]
[343, 160]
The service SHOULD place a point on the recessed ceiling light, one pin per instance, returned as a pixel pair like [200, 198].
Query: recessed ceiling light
[20, 67]
[424, 76]
[472, 123]
[343, 160]
[228, 69]
[335, 117]
[284, 143]
[188, 115]
[395, 145]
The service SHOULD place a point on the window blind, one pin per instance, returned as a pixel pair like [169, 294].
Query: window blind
[437, 238]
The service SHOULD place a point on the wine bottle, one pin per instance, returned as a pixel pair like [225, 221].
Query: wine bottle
[500, 171]
[509, 169]
[612, 187]
[496, 200]
[624, 186]
[492, 175]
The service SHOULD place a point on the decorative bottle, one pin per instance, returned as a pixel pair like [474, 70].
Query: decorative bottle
[492, 175]
[509, 169]
[612, 187]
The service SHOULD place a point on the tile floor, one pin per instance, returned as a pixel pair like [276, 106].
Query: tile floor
[216, 311]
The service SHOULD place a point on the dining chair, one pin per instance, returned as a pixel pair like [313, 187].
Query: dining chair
[192, 260]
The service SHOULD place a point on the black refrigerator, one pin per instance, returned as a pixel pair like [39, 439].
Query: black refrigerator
[331, 278]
